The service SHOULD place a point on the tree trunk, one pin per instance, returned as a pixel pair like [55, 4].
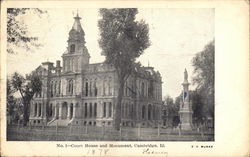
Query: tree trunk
[117, 114]
[25, 113]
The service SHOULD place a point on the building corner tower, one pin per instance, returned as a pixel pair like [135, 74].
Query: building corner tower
[185, 108]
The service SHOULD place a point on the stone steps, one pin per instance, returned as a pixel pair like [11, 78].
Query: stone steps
[59, 122]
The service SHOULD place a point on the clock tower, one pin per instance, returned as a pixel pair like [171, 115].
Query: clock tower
[76, 57]
[185, 108]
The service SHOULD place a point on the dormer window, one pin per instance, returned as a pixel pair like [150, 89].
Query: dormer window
[72, 48]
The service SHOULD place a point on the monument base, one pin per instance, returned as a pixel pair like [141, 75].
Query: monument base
[186, 126]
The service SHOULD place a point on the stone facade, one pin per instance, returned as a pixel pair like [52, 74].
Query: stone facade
[80, 93]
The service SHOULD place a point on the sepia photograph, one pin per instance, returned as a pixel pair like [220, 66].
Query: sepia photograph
[119, 74]
[124, 78]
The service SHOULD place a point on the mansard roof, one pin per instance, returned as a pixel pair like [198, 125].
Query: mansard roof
[76, 32]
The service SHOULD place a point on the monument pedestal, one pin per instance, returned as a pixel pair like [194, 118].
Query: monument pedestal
[185, 112]
[186, 119]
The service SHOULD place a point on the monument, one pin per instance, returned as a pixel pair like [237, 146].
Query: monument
[185, 108]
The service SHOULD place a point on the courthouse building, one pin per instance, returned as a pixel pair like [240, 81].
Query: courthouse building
[80, 93]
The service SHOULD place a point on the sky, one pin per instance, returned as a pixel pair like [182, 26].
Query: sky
[176, 35]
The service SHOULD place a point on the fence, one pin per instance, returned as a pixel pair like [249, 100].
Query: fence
[95, 133]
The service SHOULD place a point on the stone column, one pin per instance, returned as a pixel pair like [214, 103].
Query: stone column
[60, 111]
[68, 113]
[74, 110]
[146, 112]
[90, 111]
[55, 114]
[34, 110]
[37, 110]
[93, 110]
[99, 109]
[41, 108]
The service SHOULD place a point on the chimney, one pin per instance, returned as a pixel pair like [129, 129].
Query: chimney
[58, 67]
[58, 64]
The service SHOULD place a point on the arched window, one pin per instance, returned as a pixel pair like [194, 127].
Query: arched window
[143, 112]
[72, 48]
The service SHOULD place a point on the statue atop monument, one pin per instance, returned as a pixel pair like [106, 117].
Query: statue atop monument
[185, 74]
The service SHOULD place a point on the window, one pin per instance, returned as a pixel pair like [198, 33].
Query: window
[86, 110]
[90, 88]
[95, 87]
[95, 109]
[55, 90]
[59, 87]
[51, 89]
[86, 88]
[143, 112]
[149, 112]
[35, 112]
[72, 48]
[104, 109]
[110, 109]
[70, 87]
[40, 110]
[50, 110]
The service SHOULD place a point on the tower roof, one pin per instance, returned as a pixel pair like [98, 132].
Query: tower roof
[76, 32]
[77, 24]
